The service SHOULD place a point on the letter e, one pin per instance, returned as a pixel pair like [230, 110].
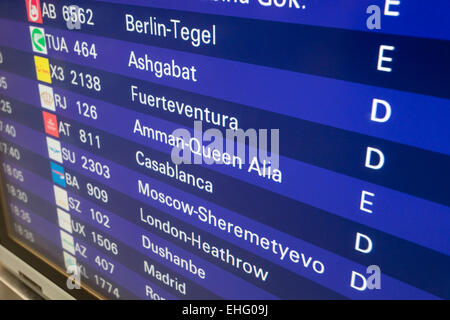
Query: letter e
[382, 58]
[365, 202]
[387, 10]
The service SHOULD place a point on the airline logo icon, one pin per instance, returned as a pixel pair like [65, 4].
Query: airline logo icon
[69, 261]
[34, 11]
[67, 242]
[54, 150]
[42, 69]
[38, 40]
[64, 220]
[46, 95]
[50, 124]
[58, 174]
[61, 197]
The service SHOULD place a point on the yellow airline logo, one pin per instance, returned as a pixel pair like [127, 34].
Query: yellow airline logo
[42, 69]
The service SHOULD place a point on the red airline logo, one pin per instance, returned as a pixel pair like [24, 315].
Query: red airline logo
[51, 124]
[34, 11]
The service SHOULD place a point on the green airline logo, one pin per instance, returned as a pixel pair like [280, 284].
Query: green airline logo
[38, 40]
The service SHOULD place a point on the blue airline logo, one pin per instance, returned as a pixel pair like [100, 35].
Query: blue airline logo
[58, 174]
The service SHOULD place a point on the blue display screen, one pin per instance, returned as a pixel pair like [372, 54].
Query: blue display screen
[230, 149]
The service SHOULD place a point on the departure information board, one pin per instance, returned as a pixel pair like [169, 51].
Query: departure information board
[230, 149]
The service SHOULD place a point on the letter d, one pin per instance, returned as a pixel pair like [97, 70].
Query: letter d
[145, 242]
[387, 110]
[368, 248]
[369, 163]
[353, 281]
